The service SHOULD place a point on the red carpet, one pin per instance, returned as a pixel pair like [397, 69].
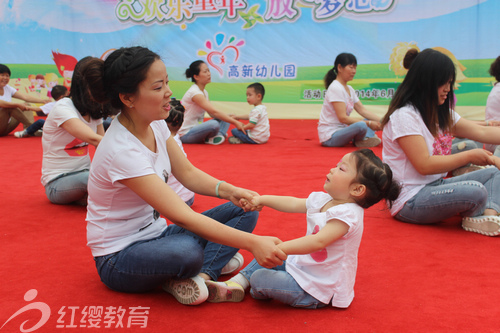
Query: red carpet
[410, 278]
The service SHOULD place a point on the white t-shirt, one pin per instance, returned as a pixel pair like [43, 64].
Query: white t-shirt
[329, 275]
[182, 191]
[258, 116]
[62, 152]
[404, 122]
[46, 108]
[194, 114]
[329, 123]
[116, 215]
[8, 92]
[493, 110]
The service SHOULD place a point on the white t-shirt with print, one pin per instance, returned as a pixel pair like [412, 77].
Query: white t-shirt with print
[194, 114]
[329, 123]
[404, 122]
[258, 116]
[62, 152]
[329, 275]
[116, 215]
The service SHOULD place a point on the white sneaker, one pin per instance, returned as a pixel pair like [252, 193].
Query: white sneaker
[192, 291]
[234, 264]
[488, 225]
[21, 134]
[215, 140]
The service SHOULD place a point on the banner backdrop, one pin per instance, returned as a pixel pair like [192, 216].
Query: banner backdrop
[288, 45]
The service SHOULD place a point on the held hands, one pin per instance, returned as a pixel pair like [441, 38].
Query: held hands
[375, 125]
[482, 157]
[239, 125]
[267, 253]
[242, 197]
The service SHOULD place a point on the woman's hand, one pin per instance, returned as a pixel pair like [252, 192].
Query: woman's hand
[266, 251]
[481, 157]
[375, 125]
[239, 125]
[242, 198]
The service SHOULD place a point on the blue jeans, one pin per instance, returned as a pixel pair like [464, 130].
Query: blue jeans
[205, 130]
[242, 136]
[468, 195]
[31, 129]
[68, 187]
[354, 132]
[176, 253]
[276, 283]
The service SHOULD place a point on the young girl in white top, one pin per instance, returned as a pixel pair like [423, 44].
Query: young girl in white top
[134, 249]
[336, 127]
[418, 130]
[196, 102]
[321, 266]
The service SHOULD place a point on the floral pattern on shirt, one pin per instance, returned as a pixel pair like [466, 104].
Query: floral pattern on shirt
[442, 144]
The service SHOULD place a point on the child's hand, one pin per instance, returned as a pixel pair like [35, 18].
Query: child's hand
[249, 206]
[233, 116]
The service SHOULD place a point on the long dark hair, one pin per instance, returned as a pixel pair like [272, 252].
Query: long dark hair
[120, 73]
[343, 59]
[495, 69]
[80, 93]
[429, 70]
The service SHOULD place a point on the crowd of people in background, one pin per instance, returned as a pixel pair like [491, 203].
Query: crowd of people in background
[140, 175]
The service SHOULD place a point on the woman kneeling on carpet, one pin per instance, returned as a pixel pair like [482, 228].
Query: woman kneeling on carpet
[321, 266]
[418, 131]
[134, 249]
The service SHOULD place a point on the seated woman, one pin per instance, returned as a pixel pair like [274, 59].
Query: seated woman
[493, 103]
[195, 101]
[11, 114]
[72, 125]
[418, 130]
[133, 247]
[336, 127]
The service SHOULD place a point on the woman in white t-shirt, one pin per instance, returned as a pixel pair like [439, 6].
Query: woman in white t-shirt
[418, 130]
[493, 102]
[72, 124]
[11, 114]
[195, 100]
[336, 127]
[134, 249]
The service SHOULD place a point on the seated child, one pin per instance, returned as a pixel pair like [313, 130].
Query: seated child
[174, 123]
[321, 266]
[58, 92]
[257, 130]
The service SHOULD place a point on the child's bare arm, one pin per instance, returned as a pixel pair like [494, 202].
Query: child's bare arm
[282, 203]
[333, 230]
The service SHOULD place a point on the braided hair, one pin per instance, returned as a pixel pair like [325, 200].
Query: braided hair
[377, 177]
